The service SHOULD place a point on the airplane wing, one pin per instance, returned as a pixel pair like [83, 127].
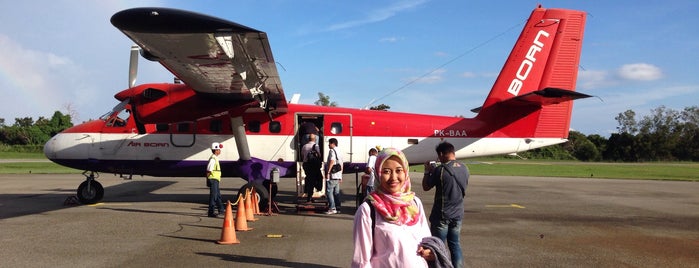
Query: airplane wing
[211, 55]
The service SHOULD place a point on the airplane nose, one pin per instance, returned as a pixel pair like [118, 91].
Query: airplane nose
[50, 148]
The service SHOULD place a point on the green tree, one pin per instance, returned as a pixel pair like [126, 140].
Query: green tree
[599, 142]
[324, 100]
[581, 148]
[659, 133]
[627, 122]
[380, 107]
[555, 152]
[27, 132]
[687, 147]
[621, 147]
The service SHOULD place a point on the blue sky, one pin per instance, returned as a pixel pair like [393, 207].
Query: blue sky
[421, 56]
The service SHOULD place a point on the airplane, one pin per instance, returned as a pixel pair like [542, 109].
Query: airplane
[227, 90]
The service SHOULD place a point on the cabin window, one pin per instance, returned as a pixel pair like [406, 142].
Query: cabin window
[161, 127]
[254, 126]
[182, 127]
[216, 126]
[336, 128]
[275, 127]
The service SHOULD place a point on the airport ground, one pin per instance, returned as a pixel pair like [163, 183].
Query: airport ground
[510, 222]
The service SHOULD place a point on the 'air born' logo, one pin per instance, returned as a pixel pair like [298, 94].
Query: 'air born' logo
[527, 64]
[148, 144]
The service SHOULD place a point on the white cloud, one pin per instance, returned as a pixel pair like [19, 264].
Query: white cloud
[488, 75]
[429, 78]
[640, 72]
[389, 39]
[591, 79]
[469, 75]
[32, 76]
[377, 15]
[441, 54]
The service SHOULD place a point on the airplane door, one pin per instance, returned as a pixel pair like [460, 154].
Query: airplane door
[306, 123]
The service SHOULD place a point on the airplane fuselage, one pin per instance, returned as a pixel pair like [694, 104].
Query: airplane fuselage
[182, 149]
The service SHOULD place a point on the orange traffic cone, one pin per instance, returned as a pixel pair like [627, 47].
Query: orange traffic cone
[255, 203]
[249, 215]
[228, 232]
[241, 223]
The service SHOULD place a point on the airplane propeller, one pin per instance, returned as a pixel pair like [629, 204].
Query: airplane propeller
[133, 65]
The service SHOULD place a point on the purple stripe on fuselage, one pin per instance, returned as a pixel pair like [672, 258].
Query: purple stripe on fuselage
[254, 168]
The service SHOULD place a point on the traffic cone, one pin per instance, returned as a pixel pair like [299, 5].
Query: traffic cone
[241, 223]
[255, 203]
[228, 231]
[249, 215]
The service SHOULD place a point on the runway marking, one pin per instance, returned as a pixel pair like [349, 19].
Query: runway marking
[111, 204]
[505, 206]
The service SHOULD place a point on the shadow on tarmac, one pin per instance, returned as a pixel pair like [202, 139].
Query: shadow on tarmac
[262, 260]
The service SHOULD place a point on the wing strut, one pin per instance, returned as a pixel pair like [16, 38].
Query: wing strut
[241, 140]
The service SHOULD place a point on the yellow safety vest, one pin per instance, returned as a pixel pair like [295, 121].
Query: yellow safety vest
[216, 173]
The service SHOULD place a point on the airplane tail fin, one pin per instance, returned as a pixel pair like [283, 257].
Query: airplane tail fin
[532, 96]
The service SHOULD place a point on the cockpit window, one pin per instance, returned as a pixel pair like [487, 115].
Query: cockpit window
[118, 116]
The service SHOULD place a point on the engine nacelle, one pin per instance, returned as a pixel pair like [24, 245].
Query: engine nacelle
[169, 103]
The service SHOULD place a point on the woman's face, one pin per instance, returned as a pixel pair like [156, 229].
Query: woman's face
[392, 175]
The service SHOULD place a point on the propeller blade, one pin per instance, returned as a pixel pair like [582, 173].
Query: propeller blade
[133, 65]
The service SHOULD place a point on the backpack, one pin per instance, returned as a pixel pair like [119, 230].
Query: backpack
[313, 158]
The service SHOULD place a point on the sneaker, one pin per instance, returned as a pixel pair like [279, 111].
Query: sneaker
[214, 215]
[332, 211]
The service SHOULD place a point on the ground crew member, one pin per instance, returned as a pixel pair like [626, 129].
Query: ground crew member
[213, 177]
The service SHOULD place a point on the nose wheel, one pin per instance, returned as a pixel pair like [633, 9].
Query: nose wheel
[90, 191]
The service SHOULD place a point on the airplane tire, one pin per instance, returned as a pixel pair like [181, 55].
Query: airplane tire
[90, 192]
[261, 191]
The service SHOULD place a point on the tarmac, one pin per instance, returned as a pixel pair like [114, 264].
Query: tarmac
[509, 222]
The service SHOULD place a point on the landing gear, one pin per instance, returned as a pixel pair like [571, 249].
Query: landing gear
[259, 190]
[90, 191]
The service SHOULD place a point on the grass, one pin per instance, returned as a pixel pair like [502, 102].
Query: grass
[652, 171]
[677, 171]
[18, 155]
[680, 171]
[35, 168]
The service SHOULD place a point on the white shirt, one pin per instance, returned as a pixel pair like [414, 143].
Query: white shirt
[370, 164]
[307, 148]
[394, 245]
[212, 163]
[334, 155]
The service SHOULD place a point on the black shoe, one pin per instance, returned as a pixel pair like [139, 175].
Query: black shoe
[214, 215]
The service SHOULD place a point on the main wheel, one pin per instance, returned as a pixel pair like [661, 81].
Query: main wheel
[259, 189]
[90, 192]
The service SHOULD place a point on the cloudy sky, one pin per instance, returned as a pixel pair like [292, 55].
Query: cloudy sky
[421, 56]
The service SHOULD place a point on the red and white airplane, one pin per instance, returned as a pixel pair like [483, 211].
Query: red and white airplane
[231, 93]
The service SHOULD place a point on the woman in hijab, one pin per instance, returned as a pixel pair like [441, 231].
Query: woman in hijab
[391, 236]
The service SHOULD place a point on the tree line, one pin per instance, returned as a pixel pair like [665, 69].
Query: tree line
[663, 135]
[29, 135]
